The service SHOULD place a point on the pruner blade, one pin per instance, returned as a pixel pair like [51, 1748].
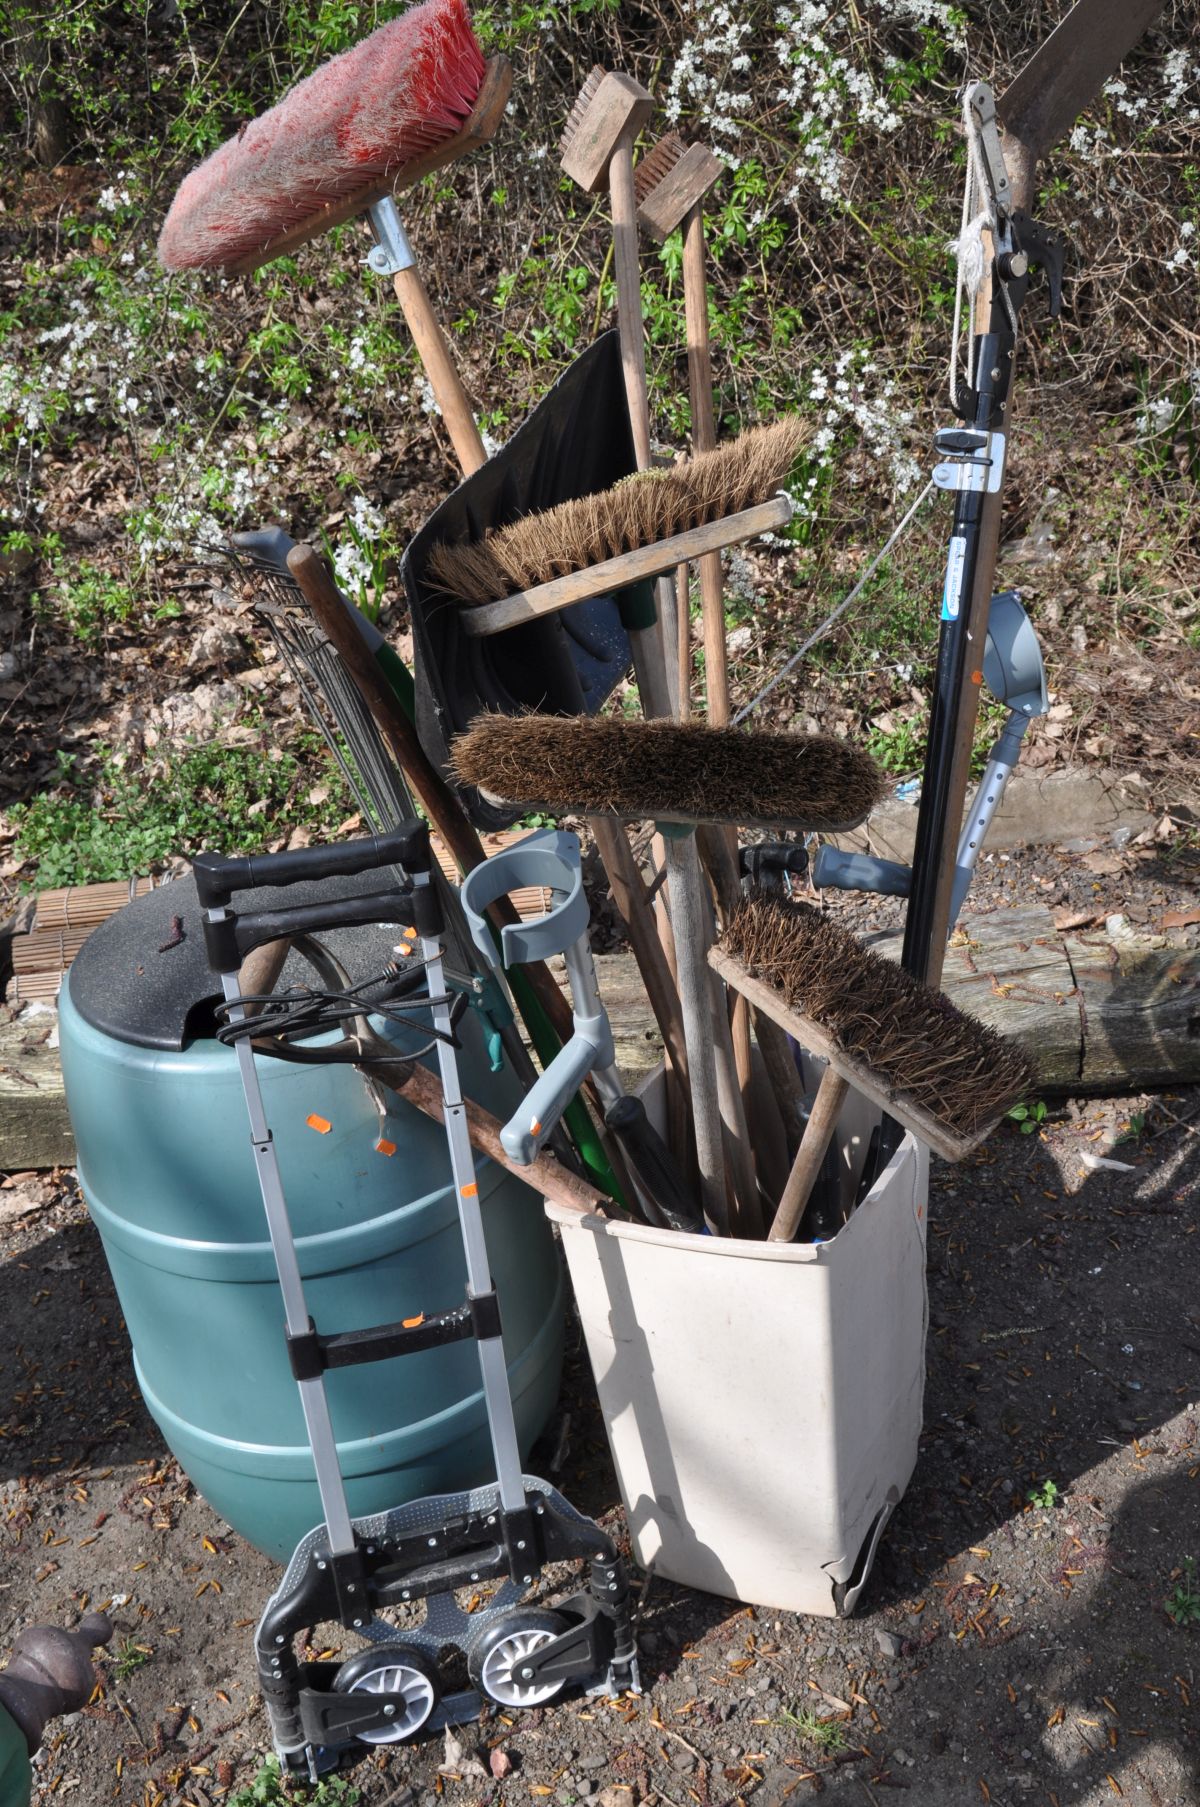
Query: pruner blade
[982, 104]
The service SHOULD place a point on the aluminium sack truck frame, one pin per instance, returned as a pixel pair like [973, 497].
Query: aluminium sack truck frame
[348, 1568]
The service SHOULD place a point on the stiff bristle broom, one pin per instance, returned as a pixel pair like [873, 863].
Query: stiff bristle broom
[943, 1075]
[410, 98]
[651, 510]
[350, 126]
[669, 771]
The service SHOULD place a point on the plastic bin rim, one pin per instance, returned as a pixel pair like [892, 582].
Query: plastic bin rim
[726, 1248]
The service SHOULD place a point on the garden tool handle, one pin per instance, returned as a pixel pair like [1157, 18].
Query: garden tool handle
[218, 876]
[831, 1095]
[444, 380]
[653, 1167]
[860, 872]
[231, 937]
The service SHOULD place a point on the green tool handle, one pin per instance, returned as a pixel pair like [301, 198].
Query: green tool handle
[546, 1044]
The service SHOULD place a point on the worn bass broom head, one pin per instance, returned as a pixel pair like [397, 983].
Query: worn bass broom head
[668, 771]
[912, 1042]
[353, 122]
[652, 506]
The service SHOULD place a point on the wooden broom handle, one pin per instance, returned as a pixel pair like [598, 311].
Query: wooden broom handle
[260, 971]
[442, 807]
[629, 895]
[711, 1070]
[444, 379]
[831, 1095]
[704, 438]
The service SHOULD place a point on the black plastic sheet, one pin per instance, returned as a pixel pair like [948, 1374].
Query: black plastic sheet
[576, 441]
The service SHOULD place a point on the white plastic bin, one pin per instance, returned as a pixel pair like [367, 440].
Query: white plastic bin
[762, 1400]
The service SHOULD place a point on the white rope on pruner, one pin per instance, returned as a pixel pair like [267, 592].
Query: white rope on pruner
[971, 253]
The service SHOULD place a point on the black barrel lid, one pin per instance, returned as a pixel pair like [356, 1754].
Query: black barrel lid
[143, 975]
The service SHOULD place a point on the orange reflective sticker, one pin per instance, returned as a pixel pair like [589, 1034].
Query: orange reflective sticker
[471, 1191]
[383, 1146]
[535, 1128]
[322, 1125]
[411, 1323]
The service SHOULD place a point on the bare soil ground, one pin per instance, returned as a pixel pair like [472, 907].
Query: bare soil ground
[1004, 1651]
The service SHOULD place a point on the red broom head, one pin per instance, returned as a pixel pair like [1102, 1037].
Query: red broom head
[355, 121]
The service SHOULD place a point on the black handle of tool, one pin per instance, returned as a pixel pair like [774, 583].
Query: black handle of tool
[652, 1165]
[218, 877]
[232, 937]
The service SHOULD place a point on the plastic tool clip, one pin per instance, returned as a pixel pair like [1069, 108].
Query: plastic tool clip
[549, 859]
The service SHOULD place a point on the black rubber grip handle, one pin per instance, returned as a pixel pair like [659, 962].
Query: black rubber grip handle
[653, 1166]
[218, 877]
[229, 940]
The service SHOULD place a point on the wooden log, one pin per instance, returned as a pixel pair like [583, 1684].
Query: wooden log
[35, 1130]
[1094, 1011]
[628, 567]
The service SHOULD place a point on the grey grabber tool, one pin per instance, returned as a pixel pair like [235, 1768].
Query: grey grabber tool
[1015, 673]
[348, 1569]
[549, 858]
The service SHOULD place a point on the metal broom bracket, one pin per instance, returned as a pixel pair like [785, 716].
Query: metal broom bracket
[392, 252]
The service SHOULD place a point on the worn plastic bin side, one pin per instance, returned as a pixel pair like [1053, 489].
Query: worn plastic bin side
[762, 1400]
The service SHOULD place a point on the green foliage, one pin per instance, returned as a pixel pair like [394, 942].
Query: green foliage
[1183, 1602]
[90, 601]
[1045, 1495]
[899, 748]
[271, 1788]
[112, 821]
[1029, 1115]
[825, 1735]
[129, 1655]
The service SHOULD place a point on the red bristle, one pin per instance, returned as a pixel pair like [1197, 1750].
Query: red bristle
[358, 119]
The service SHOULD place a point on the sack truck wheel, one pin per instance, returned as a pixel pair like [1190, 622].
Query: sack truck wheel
[494, 1661]
[392, 1669]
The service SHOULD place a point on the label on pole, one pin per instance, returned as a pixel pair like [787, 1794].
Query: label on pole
[952, 593]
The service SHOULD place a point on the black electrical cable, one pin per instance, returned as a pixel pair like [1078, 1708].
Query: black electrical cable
[305, 1010]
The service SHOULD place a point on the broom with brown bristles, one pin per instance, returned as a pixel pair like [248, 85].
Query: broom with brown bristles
[943, 1075]
[546, 561]
[549, 560]
[669, 771]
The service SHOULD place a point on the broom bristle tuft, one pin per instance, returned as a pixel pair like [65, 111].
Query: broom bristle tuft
[583, 101]
[602, 765]
[656, 165]
[356, 120]
[651, 506]
[959, 1071]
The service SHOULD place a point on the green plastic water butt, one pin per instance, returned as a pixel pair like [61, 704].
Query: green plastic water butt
[167, 1172]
